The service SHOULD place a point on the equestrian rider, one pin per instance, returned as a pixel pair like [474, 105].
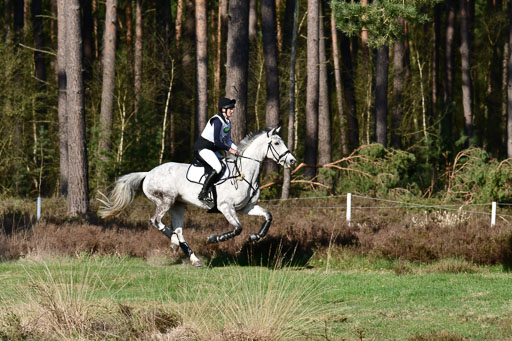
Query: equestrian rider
[215, 137]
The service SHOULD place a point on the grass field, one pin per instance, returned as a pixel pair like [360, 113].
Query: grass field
[89, 297]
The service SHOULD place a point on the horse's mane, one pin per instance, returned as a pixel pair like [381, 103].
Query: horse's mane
[249, 138]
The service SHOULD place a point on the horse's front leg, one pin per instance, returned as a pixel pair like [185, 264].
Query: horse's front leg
[259, 211]
[230, 214]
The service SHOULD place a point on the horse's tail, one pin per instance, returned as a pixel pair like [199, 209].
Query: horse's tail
[122, 194]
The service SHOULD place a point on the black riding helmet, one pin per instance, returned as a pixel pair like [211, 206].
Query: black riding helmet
[226, 103]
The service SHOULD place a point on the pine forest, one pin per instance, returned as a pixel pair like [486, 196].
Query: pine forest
[390, 98]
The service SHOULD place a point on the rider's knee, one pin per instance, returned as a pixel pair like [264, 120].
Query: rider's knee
[269, 217]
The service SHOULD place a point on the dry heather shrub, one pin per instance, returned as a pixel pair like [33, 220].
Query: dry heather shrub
[388, 233]
[473, 240]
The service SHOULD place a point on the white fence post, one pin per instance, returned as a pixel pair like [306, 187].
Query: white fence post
[38, 208]
[493, 214]
[349, 207]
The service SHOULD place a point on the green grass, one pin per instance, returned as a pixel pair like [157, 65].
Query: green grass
[365, 301]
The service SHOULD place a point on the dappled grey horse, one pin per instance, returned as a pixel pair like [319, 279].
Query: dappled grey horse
[167, 186]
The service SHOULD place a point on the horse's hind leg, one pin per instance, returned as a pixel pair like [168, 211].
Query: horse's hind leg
[162, 206]
[177, 219]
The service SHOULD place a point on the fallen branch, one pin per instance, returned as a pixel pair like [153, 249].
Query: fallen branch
[312, 183]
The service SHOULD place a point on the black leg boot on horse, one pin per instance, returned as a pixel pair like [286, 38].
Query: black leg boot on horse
[208, 184]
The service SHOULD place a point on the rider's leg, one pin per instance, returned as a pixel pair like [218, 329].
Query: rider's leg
[230, 214]
[212, 160]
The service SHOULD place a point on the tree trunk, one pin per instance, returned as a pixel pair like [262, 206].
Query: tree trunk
[62, 114]
[494, 133]
[95, 27]
[381, 95]
[128, 13]
[435, 59]
[163, 16]
[291, 109]
[201, 102]
[221, 33]
[311, 143]
[78, 191]
[39, 59]
[337, 79]
[268, 26]
[18, 20]
[509, 85]
[19, 23]
[324, 113]
[107, 93]
[253, 19]
[178, 26]
[289, 15]
[347, 76]
[137, 66]
[465, 68]
[88, 40]
[446, 122]
[398, 88]
[237, 64]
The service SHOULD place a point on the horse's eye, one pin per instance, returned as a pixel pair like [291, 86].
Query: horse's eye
[276, 143]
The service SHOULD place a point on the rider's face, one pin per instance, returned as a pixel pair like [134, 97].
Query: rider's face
[229, 112]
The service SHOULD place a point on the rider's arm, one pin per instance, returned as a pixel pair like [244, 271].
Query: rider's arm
[229, 142]
[217, 126]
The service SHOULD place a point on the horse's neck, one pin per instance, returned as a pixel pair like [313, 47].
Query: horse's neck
[251, 168]
[255, 151]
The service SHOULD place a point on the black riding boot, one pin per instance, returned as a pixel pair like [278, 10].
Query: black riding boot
[208, 182]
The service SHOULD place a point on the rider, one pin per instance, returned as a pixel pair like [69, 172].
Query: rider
[215, 137]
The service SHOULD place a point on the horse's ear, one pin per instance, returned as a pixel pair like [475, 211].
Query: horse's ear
[271, 132]
[278, 129]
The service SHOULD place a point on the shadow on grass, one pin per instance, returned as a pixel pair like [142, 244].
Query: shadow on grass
[271, 252]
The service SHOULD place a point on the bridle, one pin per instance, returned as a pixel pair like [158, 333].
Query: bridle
[241, 176]
[270, 148]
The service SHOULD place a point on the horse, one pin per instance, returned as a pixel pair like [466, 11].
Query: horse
[167, 187]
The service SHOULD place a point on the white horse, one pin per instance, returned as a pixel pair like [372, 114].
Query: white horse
[167, 186]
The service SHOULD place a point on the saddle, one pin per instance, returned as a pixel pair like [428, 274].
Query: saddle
[198, 170]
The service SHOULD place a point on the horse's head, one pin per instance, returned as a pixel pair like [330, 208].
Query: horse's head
[277, 149]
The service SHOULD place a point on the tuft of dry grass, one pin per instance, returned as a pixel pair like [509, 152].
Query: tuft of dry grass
[438, 336]
[268, 306]
[59, 304]
[402, 267]
[452, 265]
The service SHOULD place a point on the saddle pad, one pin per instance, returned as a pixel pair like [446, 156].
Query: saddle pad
[196, 174]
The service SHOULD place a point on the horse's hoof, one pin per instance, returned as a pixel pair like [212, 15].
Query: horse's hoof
[253, 237]
[175, 242]
[195, 261]
[212, 239]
